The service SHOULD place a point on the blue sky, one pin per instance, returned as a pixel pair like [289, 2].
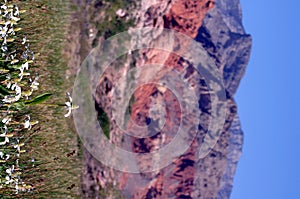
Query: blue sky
[268, 101]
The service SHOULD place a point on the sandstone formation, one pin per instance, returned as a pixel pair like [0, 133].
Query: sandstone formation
[217, 26]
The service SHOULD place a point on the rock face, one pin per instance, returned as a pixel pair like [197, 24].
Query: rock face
[223, 35]
[217, 25]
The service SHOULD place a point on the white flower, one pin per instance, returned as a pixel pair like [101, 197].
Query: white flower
[5, 128]
[5, 13]
[11, 31]
[18, 146]
[27, 124]
[69, 109]
[24, 40]
[9, 171]
[8, 23]
[2, 156]
[15, 18]
[17, 12]
[11, 99]
[8, 85]
[8, 180]
[14, 61]
[34, 85]
[4, 48]
[17, 188]
[69, 96]
[3, 7]
[6, 140]
[25, 66]
[18, 90]
[68, 105]
[22, 68]
[3, 30]
[6, 120]
[14, 86]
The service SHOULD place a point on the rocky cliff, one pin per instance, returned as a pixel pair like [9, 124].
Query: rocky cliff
[217, 26]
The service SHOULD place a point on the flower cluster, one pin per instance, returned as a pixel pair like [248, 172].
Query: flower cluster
[17, 90]
[16, 87]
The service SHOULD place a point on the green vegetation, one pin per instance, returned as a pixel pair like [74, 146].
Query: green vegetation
[44, 161]
[113, 26]
[110, 23]
[103, 121]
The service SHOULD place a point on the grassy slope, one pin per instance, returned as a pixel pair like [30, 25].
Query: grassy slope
[54, 146]
[57, 168]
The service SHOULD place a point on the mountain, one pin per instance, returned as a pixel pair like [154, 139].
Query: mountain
[212, 39]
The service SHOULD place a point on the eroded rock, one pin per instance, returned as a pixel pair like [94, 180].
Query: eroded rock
[217, 26]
